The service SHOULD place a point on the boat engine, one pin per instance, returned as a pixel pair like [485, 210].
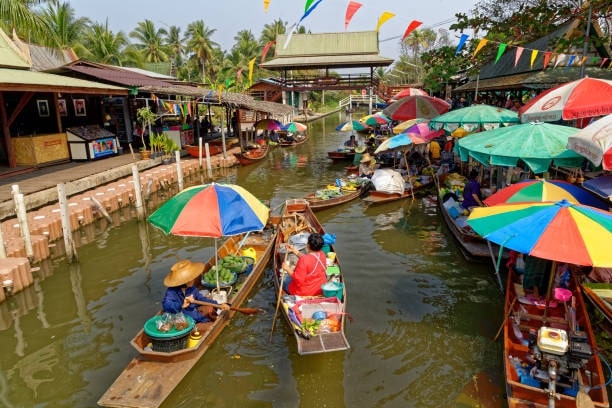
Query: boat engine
[556, 357]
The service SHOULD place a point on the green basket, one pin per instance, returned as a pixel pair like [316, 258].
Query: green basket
[221, 283]
[150, 328]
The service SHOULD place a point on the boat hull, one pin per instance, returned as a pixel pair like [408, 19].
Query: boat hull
[318, 204]
[164, 371]
[336, 156]
[252, 156]
[194, 151]
[381, 197]
[298, 217]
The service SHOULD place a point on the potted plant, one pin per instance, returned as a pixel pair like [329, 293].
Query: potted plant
[145, 116]
[169, 146]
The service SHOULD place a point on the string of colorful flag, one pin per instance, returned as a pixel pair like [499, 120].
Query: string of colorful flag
[559, 58]
[182, 108]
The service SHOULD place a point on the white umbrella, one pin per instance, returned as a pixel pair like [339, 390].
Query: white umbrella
[594, 142]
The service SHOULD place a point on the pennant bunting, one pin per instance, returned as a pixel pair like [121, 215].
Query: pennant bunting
[500, 51]
[310, 10]
[384, 17]
[571, 60]
[584, 59]
[307, 5]
[534, 55]
[603, 62]
[251, 65]
[291, 30]
[517, 57]
[351, 9]
[219, 91]
[546, 59]
[239, 75]
[560, 59]
[481, 44]
[266, 5]
[411, 27]
[265, 50]
[462, 41]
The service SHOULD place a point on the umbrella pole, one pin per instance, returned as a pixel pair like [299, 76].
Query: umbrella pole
[217, 267]
[496, 262]
[551, 280]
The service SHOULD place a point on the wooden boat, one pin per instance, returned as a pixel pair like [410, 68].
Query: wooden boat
[341, 155]
[151, 376]
[298, 218]
[550, 351]
[194, 150]
[331, 197]
[298, 139]
[252, 155]
[600, 295]
[381, 197]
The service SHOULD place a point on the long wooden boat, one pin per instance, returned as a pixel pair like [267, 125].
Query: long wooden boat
[194, 150]
[298, 139]
[381, 197]
[252, 156]
[600, 295]
[332, 196]
[151, 376]
[341, 155]
[298, 218]
[550, 351]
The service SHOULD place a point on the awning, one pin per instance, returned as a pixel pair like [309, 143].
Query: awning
[17, 80]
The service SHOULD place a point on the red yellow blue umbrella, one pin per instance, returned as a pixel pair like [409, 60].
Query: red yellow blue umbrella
[268, 124]
[544, 190]
[211, 210]
[559, 231]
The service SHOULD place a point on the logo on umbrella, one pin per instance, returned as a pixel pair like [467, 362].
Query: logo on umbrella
[551, 103]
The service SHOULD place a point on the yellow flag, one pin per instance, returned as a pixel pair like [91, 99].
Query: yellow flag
[534, 55]
[251, 64]
[219, 91]
[266, 5]
[481, 44]
[384, 17]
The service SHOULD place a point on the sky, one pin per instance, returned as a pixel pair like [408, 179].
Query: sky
[228, 17]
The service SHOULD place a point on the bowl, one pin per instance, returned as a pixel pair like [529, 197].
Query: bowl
[562, 294]
[319, 315]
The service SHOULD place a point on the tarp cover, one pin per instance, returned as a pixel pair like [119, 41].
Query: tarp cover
[388, 180]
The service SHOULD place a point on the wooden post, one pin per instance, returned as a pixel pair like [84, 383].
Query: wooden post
[208, 159]
[179, 170]
[200, 152]
[2, 246]
[137, 193]
[66, 230]
[22, 217]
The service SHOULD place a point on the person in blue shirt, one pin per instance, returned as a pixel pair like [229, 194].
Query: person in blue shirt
[182, 292]
[471, 192]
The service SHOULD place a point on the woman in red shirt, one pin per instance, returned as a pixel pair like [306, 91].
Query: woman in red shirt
[309, 272]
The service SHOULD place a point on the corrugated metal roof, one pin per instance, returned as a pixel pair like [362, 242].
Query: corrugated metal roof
[10, 55]
[152, 74]
[44, 59]
[118, 76]
[31, 81]
[333, 50]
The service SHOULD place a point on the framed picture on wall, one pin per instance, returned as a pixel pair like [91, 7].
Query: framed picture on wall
[79, 107]
[43, 107]
[62, 108]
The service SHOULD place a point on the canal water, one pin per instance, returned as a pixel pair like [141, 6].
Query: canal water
[423, 324]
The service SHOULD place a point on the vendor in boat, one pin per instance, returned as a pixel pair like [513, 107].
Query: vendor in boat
[182, 293]
[351, 142]
[309, 272]
[367, 165]
[472, 196]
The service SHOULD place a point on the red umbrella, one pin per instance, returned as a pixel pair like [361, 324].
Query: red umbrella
[583, 98]
[408, 92]
[416, 106]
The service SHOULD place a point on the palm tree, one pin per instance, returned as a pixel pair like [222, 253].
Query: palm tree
[104, 46]
[269, 33]
[17, 15]
[200, 44]
[174, 43]
[64, 29]
[149, 41]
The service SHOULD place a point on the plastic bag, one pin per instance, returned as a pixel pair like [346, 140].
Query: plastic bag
[165, 323]
[329, 239]
[180, 321]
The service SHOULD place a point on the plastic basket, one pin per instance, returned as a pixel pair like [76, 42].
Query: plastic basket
[221, 283]
[168, 345]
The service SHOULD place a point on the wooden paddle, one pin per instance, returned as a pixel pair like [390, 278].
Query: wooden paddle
[280, 293]
[245, 310]
[505, 319]
[583, 400]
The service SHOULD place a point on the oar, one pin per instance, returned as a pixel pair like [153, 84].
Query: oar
[583, 399]
[505, 319]
[280, 293]
[245, 310]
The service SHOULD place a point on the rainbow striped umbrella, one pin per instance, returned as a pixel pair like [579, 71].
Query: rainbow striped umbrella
[544, 190]
[211, 210]
[559, 231]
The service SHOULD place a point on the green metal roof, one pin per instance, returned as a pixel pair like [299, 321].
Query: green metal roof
[327, 50]
[29, 81]
[10, 56]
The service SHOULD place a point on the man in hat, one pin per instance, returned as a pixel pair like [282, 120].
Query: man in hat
[367, 165]
[182, 293]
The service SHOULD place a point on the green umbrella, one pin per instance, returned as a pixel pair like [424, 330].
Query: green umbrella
[537, 144]
[473, 117]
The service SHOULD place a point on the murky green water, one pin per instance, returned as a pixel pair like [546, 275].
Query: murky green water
[424, 318]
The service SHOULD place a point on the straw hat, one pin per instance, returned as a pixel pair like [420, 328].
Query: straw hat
[182, 272]
[366, 158]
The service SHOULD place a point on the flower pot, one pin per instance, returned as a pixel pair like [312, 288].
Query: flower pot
[145, 154]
